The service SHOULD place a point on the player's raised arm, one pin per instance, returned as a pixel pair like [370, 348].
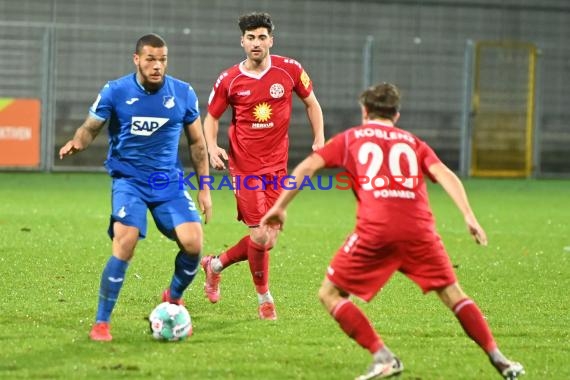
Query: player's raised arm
[199, 158]
[315, 116]
[217, 154]
[83, 137]
[454, 187]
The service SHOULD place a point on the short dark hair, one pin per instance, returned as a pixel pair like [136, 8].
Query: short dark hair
[151, 39]
[254, 20]
[381, 101]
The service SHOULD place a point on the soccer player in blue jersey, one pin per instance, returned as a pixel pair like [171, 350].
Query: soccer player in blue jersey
[147, 111]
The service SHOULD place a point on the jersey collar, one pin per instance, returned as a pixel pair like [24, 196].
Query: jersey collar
[251, 75]
[378, 123]
[144, 89]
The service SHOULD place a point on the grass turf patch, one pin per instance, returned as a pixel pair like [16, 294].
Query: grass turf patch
[53, 246]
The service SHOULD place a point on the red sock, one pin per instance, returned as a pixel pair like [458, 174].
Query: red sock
[258, 258]
[474, 324]
[236, 253]
[355, 324]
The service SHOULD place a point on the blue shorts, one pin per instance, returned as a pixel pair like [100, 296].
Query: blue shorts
[130, 207]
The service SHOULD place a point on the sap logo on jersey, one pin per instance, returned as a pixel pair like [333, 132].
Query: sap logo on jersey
[146, 126]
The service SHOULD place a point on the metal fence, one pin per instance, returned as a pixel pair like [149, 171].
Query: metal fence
[63, 52]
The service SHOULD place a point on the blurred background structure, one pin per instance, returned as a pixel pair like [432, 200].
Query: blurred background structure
[485, 82]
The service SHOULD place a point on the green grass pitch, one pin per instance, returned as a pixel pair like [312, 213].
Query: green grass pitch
[53, 246]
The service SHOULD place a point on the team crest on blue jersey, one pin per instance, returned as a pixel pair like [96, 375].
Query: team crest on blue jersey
[168, 101]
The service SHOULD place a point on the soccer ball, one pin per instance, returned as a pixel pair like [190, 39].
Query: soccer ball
[170, 322]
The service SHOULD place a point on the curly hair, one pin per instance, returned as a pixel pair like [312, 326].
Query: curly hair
[254, 20]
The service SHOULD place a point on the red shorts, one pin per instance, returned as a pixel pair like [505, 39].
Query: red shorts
[363, 271]
[255, 194]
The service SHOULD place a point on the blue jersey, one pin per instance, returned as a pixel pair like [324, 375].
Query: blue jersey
[144, 127]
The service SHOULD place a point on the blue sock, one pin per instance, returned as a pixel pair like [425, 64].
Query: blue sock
[185, 269]
[111, 282]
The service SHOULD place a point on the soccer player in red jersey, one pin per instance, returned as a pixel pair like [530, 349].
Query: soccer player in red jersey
[395, 229]
[259, 91]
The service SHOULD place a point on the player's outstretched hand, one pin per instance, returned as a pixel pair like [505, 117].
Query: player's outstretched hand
[215, 160]
[69, 148]
[476, 230]
[274, 218]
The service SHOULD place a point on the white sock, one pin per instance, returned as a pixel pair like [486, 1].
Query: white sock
[383, 355]
[216, 265]
[262, 298]
[497, 356]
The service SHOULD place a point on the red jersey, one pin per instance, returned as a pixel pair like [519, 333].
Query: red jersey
[261, 111]
[389, 163]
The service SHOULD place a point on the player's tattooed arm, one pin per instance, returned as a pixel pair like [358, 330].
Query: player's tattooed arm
[84, 136]
[199, 157]
[198, 150]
